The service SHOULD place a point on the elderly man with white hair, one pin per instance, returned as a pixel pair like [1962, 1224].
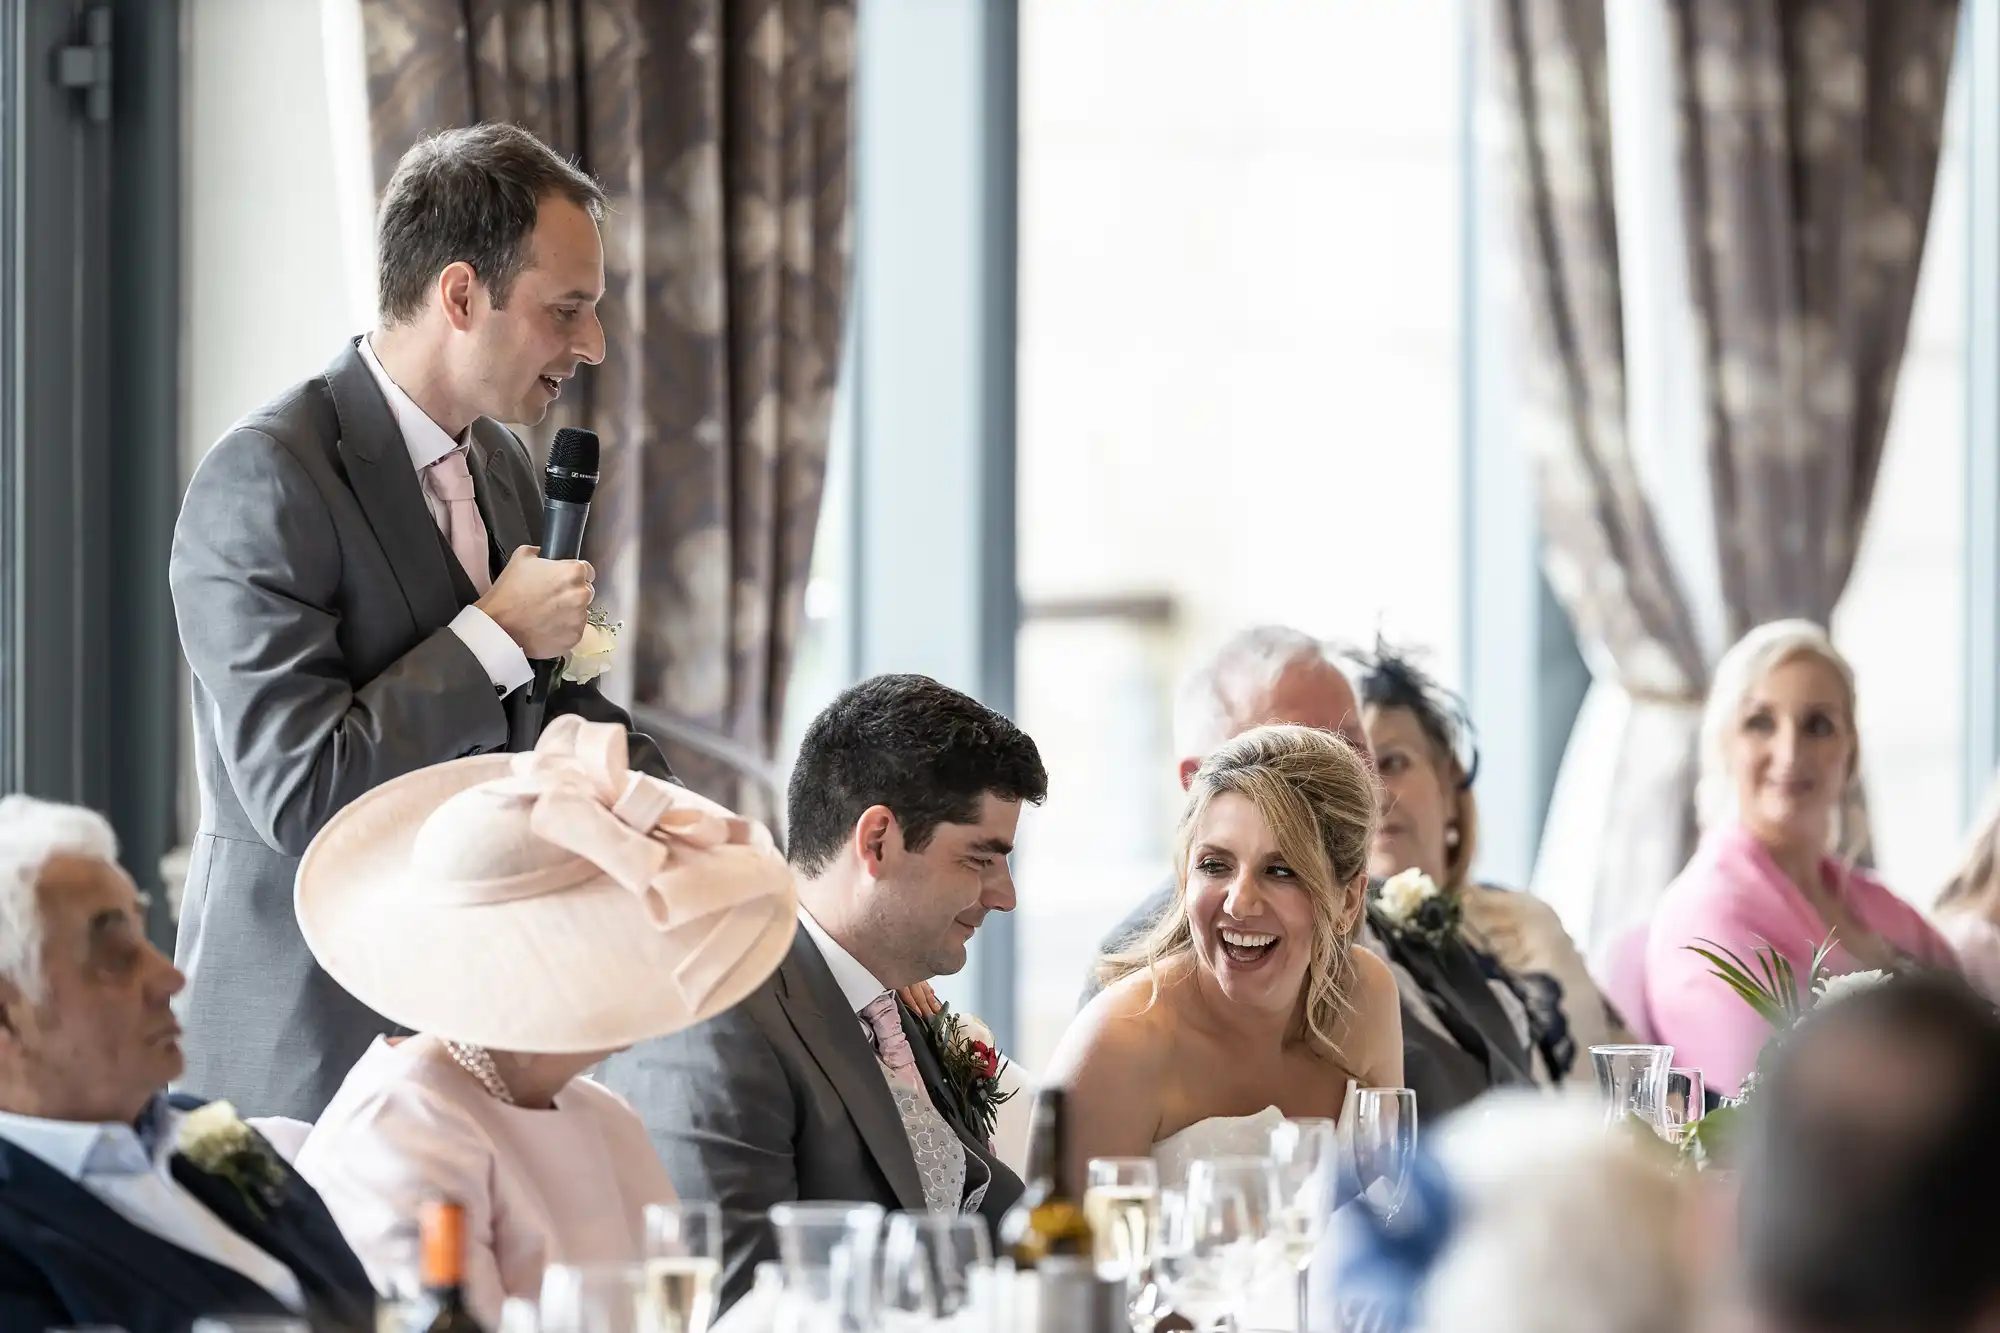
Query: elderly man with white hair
[119, 1205]
[1458, 1039]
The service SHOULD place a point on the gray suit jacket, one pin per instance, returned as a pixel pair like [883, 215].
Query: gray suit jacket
[314, 595]
[1443, 1072]
[781, 1099]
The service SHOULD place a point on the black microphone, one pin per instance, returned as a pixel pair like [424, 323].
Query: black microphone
[569, 479]
[568, 482]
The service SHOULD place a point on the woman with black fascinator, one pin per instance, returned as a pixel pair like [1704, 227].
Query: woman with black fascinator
[1427, 757]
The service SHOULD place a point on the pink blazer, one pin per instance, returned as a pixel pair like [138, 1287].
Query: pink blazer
[1732, 892]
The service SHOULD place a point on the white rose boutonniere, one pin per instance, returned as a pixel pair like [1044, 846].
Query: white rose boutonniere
[1848, 984]
[216, 1141]
[1410, 904]
[592, 654]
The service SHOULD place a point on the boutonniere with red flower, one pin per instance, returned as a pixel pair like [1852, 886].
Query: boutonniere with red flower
[972, 1062]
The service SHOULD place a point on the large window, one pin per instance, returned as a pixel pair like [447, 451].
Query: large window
[1239, 391]
[1902, 622]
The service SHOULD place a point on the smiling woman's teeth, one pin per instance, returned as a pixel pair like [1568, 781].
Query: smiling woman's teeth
[1244, 946]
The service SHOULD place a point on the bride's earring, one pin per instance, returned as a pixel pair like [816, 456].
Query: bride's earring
[1451, 836]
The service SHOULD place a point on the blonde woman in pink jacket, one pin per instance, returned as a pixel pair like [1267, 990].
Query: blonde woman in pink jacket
[1779, 756]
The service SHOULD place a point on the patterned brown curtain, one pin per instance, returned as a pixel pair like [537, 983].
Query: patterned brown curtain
[721, 131]
[1809, 134]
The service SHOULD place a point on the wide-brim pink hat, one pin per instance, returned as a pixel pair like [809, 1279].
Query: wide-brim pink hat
[546, 902]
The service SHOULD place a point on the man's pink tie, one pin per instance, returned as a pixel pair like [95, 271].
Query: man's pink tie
[892, 1044]
[451, 482]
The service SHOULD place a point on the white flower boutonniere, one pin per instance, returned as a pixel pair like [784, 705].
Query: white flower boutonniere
[215, 1139]
[1847, 984]
[592, 654]
[1411, 904]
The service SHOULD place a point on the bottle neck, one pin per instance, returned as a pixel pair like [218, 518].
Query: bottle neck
[1051, 1138]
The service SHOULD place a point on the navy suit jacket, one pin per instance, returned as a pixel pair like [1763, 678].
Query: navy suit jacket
[66, 1258]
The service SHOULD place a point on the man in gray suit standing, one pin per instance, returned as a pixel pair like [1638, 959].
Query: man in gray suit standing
[358, 588]
[902, 812]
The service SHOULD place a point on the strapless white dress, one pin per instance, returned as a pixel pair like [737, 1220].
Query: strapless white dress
[1274, 1303]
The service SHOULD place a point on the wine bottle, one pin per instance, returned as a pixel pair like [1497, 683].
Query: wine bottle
[1049, 1219]
[443, 1226]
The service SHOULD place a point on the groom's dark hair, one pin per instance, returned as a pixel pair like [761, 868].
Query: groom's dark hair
[922, 749]
[472, 195]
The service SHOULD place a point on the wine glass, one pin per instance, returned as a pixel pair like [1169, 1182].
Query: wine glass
[1306, 1154]
[1633, 1080]
[683, 1265]
[593, 1298]
[1385, 1145]
[1209, 1266]
[1684, 1104]
[1121, 1199]
[927, 1264]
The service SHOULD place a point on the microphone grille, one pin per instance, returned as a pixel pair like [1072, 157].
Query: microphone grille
[574, 450]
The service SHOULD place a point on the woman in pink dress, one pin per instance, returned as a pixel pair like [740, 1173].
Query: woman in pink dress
[1779, 758]
[526, 915]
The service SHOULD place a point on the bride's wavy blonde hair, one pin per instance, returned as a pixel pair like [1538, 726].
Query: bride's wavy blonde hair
[1317, 796]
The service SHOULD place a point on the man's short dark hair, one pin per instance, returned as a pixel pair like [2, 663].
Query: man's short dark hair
[922, 749]
[1868, 1192]
[470, 195]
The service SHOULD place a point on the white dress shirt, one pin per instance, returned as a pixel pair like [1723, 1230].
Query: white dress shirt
[505, 664]
[856, 982]
[112, 1163]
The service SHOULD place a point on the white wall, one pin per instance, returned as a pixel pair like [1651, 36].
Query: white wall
[270, 280]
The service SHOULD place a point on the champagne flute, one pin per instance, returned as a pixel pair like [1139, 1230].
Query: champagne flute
[927, 1264]
[1305, 1153]
[1385, 1146]
[1121, 1200]
[683, 1265]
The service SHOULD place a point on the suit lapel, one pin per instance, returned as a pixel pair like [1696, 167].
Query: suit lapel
[386, 485]
[275, 1232]
[503, 508]
[817, 1010]
[182, 1277]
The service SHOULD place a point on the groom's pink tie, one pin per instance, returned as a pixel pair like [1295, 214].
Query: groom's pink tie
[451, 481]
[892, 1044]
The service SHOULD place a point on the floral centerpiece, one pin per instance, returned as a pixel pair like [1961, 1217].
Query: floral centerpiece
[1769, 984]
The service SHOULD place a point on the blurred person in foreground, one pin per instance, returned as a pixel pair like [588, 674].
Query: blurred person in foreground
[1461, 1034]
[1527, 1214]
[122, 1206]
[1428, 760]
[526, 915]
[1780, 755]
[1868, 1187]
[359, 588]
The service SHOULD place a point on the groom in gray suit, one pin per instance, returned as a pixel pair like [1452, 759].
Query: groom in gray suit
[821, 1085]
[358, 587]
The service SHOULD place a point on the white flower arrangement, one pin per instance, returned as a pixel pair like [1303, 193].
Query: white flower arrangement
[216, 1142]
[1410, 905]
[1847, 984]
[1404, 895]
[592, 655]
